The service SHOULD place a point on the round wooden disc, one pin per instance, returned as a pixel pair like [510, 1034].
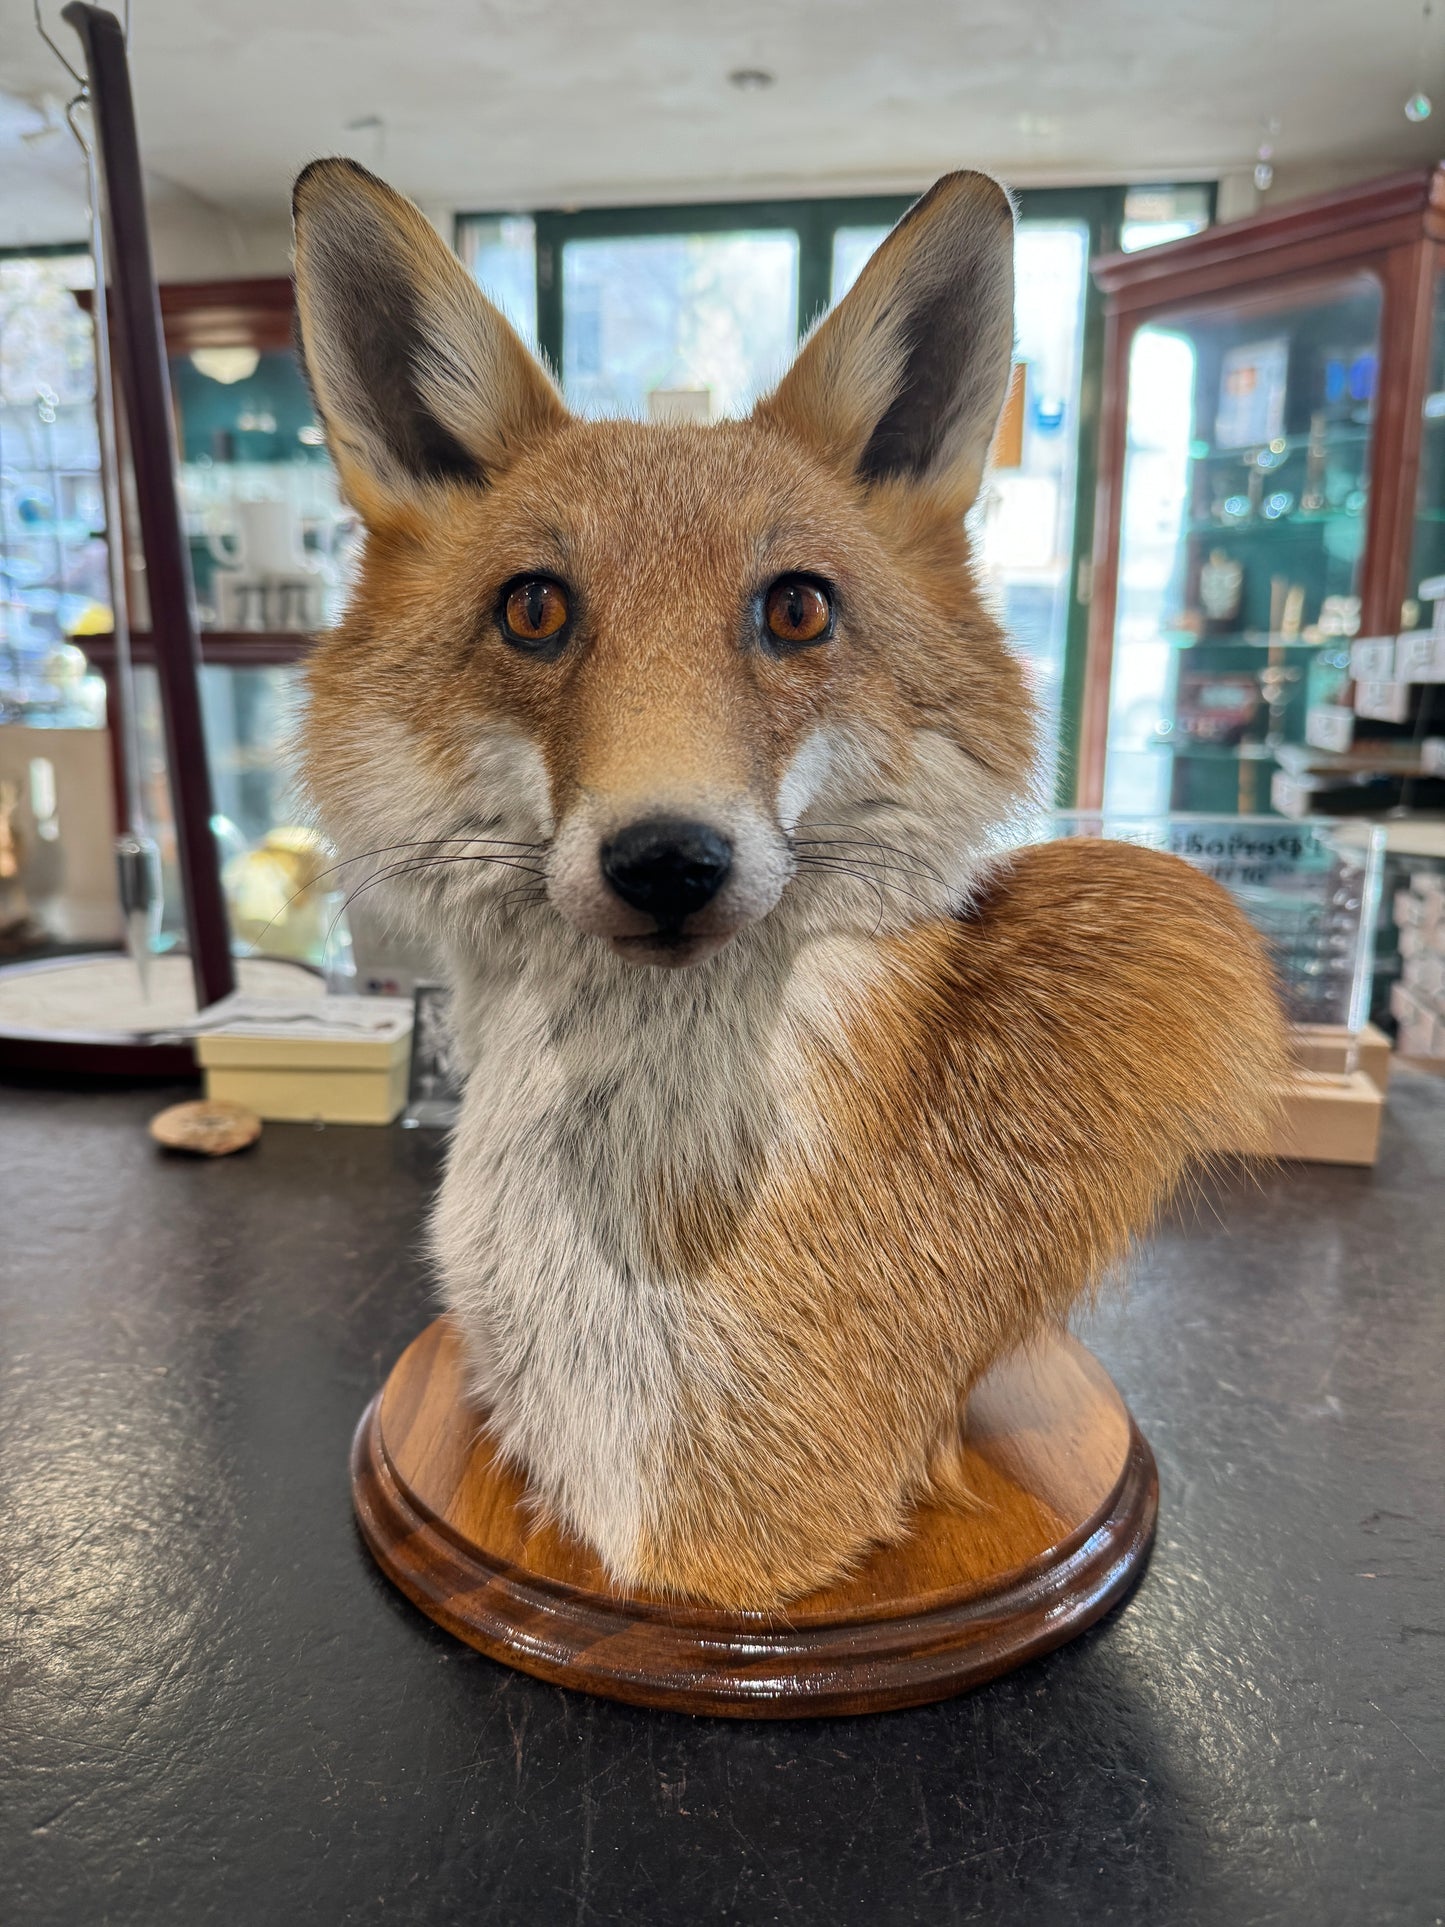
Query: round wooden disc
[210, 1127]
[1060, 1514]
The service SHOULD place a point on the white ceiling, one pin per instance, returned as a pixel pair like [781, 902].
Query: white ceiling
[517, 103]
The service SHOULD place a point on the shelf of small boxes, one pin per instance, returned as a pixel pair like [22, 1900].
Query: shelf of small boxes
[1386, 672]
[1417, 999]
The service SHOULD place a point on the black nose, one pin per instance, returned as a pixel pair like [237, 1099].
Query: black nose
[667, 867]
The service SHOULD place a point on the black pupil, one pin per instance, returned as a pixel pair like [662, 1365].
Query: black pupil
[534, 604]
[797, 610]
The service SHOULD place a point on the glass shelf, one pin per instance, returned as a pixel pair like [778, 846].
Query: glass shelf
[1333, 435]
[1286, 519]
[1215, 752]
[1248, 639]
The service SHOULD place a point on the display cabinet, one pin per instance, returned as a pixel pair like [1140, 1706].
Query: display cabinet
[269, 541]
[1272, 460]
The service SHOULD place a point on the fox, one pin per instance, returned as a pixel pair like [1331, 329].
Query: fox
[800, 1088]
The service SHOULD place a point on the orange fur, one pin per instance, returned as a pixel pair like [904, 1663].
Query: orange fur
[1007, 1108]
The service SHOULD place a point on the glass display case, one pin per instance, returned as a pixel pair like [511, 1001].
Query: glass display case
[1311, 890]
[269, 537]
[269, 544]
[1272, 458]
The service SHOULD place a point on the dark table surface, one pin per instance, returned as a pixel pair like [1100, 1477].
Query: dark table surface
[213, 1708]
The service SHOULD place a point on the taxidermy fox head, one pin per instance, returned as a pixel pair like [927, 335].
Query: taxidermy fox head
[657, 687]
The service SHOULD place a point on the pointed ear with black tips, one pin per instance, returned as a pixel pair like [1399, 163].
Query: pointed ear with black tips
[906, 377]
[418, 379]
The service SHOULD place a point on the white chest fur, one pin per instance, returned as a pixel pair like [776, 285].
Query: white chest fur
[594, 1091]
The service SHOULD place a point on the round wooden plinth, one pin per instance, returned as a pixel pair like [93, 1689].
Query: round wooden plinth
[1060, 1513]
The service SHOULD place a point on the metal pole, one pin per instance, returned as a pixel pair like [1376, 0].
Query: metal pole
[145, 391]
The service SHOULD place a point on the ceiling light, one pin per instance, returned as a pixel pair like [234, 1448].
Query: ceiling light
[226, 364]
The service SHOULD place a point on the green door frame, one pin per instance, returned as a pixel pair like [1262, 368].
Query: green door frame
[816, 223]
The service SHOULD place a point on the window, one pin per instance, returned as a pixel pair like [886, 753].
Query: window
[53, 581]
[681, 325]
[501, 254]
[1155, 214]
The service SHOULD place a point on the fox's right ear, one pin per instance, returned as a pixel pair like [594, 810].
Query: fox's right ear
[417, 377]
[906, 377]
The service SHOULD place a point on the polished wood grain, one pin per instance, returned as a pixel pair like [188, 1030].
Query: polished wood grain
[1056, 1507]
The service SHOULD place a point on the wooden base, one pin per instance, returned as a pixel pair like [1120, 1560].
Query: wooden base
[1059, 1518]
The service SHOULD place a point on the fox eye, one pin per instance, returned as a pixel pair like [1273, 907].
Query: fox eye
[798, 611]
[534, 611]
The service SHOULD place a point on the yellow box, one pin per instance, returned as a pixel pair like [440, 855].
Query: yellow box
[344, 1080]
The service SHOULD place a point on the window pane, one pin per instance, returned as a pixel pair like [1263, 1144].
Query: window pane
[1023, 526]
[690, 326]
[53, 583]
[851, 248]
[1155, 214]
[1025, 519]
[501, 255]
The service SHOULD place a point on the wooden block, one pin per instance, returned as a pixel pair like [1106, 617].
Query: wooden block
[1061, 1513]
[1326, 1047]
[1330, 1119]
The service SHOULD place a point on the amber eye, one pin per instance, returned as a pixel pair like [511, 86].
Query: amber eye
[798, 611]
[534, 610]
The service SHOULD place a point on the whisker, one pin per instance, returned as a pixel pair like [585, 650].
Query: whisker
[870, 843]
[859, 877]
[416, 866]
[839, 867]
[416, 843]
[851, 848]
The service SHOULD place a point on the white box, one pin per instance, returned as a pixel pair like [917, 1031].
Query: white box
[1383, 702]
[1330, 726]
[1425, 977]
[1432, 755]
[1372, 658]
[1291, 795]
[1420, 656]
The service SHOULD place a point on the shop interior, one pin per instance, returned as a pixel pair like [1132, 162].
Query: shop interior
[1212, 525]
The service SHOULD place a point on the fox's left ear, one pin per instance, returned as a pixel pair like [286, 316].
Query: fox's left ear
[417, 377]
[907, 375]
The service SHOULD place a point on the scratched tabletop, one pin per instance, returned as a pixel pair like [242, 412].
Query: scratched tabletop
[213, 1708]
